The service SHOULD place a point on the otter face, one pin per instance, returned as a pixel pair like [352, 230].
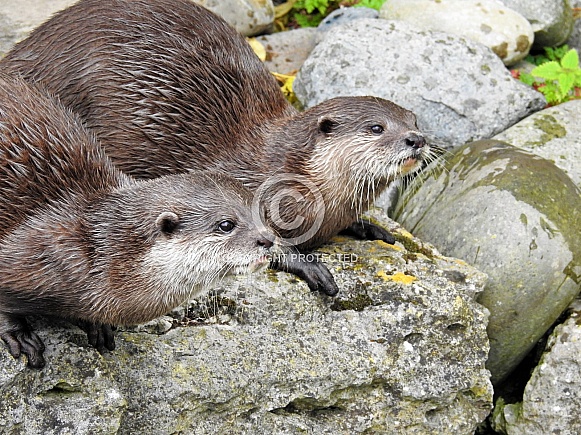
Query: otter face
[169, 239]
[367, 139]
[205, 235]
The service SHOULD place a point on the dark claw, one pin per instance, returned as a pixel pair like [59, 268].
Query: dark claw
[365, 230]
[24, 341]
[99, 335]
[315, 273]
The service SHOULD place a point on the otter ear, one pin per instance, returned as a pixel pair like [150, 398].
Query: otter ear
[167, 222]
[327, 125]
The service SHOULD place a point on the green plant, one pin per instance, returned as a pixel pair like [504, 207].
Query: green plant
[557, 75]
[309, 13]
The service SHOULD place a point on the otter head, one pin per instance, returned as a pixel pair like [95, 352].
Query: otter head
[206, 229]
[171, 238]
[365, 140]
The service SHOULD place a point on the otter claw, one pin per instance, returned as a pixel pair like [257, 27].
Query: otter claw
[365, 230]
[315, 273]
[27, 343]
[99, 335]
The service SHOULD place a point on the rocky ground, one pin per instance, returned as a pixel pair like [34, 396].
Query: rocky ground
[402, 350]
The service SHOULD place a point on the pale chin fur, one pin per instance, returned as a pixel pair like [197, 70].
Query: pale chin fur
[181, 271]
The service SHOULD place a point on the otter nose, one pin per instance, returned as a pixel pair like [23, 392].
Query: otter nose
[415, 140]
[264, 242]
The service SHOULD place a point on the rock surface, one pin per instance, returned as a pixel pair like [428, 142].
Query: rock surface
[249, 17]
[552, 398]
[552, 20]
[345, 15]
[574, 40]
[488, 22]
[517, 217]
[553, 133]
[19, 17]
[402, 351]
[468, 93]
[287, 51]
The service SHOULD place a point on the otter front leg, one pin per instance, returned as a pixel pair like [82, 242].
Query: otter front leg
[99, 335]
[365, 230]
[20, 339]
[315, 273]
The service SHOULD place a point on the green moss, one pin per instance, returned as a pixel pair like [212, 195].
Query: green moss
[550, 127]
[529, 179]
[412, 247]
[356, 303]
[272, 275]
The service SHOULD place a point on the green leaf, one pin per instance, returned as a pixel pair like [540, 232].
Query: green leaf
[308, 20]
[373, 4]
[570, 60]
[550, 93]
[526, 78]
[577, 75]
[549, 70]
[565, 83]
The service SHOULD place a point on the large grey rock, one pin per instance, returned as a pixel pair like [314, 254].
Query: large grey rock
[459, 89]
[553, 133]
[249, 17]
[552, 20]
[401, 351]
[517, 217]
[488, 22]
[552, 398]
[19, 17]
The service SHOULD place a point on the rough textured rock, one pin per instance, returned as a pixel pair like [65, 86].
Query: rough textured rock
[574, 40]
[19, 17]
[345, 15]
[488, 22]
[553, 133]
[552, 20]
[552, 398]
[287, 51]
[517, 217]
[249, 17]
[459, 89]
[401, 351]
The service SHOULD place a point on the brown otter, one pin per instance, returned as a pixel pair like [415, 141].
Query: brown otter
[168, 87]
[83, 241]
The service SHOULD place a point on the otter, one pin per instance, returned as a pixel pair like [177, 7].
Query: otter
[169, 87]
[81, 240]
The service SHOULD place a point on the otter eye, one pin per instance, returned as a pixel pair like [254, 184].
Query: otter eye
[226, 226]
[376, 129]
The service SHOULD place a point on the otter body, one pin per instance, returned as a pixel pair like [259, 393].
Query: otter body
[83, 241]
[168, 87]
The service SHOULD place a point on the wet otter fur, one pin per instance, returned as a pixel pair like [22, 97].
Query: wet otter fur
[83, 241]
[168, 86]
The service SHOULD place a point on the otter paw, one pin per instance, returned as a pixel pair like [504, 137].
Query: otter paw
[316, 274]
[27, 343]
[99, 335]
[319, 278]
[365, 230]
